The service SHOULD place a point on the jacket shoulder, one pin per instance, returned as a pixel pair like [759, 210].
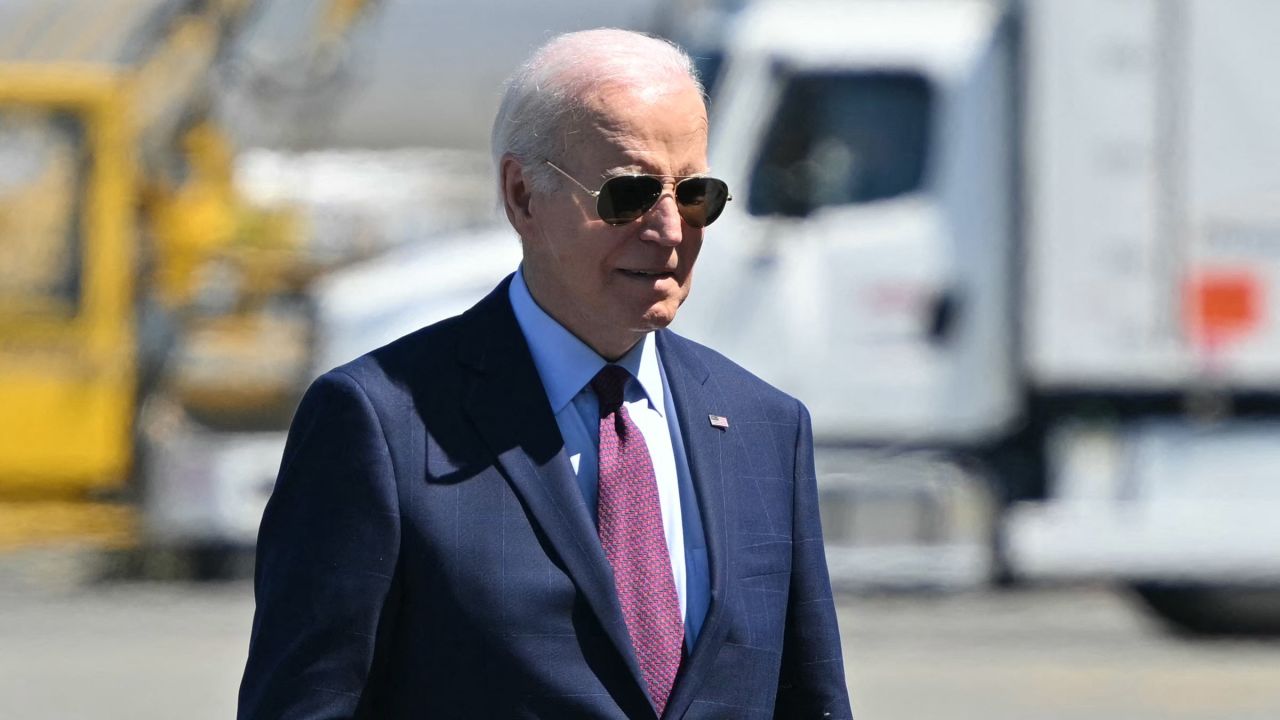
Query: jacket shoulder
[432, 353]
[414, 355]
[733, 379]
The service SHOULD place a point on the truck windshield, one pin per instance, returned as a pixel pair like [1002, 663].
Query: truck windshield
[841, 138]
[43, 165]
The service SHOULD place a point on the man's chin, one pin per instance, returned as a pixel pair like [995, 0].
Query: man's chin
[658, 317]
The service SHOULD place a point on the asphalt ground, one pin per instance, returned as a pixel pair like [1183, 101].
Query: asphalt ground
[73, 647]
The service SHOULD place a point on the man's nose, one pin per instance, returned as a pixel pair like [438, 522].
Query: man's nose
[662, 222]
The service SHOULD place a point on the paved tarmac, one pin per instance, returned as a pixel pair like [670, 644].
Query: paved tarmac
[141, 651]
[1070, 654]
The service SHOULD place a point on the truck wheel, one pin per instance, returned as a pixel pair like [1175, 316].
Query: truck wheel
[1214, 610]
[213, 562]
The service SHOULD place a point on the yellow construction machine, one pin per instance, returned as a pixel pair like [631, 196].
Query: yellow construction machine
[147, 312]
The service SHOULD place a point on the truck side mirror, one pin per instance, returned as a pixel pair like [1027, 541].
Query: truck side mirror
[942, 315]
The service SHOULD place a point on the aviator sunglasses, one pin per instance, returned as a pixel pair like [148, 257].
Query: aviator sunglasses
[624, 198]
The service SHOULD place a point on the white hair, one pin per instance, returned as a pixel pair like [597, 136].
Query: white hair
[551, 91]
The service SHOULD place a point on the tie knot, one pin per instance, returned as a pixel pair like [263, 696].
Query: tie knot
[609, 385]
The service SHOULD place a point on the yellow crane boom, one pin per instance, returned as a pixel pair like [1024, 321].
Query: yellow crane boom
[116, 195]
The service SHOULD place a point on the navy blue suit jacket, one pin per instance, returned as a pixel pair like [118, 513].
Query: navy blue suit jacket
[426, 552]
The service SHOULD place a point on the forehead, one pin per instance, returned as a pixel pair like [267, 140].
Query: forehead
[655, 131]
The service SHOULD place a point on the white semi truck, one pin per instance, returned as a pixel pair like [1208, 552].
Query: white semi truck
[1035, 245]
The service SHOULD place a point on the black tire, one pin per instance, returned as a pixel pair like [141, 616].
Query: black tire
[218, 562]
[1214, 610]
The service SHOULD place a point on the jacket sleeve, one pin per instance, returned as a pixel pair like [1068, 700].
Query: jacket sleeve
[326, 559]
[811, 683]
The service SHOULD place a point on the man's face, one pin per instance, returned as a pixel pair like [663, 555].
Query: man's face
[607, 284]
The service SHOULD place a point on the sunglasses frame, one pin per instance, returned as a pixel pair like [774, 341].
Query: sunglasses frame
[660, 178]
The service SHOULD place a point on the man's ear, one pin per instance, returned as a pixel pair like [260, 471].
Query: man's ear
[516, 193]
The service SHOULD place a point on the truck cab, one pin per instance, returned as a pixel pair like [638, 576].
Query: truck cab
[863, 265]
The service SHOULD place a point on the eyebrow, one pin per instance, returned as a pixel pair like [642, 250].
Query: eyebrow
[612, 172]
[638, 170]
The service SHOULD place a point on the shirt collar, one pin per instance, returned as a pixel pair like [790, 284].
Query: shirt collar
[566, 364]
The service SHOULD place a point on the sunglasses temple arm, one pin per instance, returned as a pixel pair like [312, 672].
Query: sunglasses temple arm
[572, 179]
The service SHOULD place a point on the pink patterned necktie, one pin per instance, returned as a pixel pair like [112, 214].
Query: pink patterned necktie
[631, 532]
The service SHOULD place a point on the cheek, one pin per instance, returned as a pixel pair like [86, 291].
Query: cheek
[690, 246]
[576, 256]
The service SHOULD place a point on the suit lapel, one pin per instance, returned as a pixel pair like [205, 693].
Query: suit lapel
[696, 396]
[509, 407]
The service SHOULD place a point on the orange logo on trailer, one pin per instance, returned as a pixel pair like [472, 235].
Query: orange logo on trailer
[1222, 305]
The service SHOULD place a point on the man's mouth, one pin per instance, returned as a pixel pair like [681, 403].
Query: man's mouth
[646, 273]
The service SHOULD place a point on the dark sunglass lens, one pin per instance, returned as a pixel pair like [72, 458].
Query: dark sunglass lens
[625, 198]
[701, 200]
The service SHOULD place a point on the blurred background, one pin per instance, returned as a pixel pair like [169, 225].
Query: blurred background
[1021, 260]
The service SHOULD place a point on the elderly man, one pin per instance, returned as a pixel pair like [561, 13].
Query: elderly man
[551, 506]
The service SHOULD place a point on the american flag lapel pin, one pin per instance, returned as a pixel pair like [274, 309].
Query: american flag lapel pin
[719, 421]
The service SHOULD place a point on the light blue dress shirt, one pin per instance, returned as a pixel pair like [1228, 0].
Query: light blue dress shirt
[566, 366]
